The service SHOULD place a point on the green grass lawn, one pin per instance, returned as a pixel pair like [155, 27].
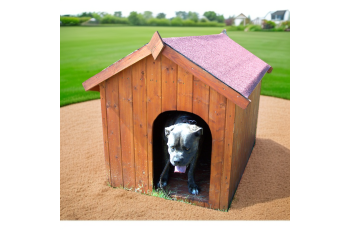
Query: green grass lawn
[85, 51]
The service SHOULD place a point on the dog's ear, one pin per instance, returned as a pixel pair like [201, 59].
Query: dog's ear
[197, 130]
[168, 130]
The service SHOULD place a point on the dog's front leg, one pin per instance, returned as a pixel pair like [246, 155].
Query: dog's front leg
[192, 187]
[164, 178]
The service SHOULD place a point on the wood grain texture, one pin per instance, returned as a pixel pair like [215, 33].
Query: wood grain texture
[217, 114]
[201, 99]
[115, 154]
[139, 78]
[105, 130]
[116, 67]
[126, 128]
[154, 107]
[226, 175]
[206, 77]
[244, 137]
[169, 80]
[155, 45]
[184, 90]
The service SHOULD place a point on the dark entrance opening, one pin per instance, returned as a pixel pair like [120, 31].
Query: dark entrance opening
[177, 184]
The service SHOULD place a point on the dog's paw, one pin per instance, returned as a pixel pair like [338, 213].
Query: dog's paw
[163, 184]
[193, 189]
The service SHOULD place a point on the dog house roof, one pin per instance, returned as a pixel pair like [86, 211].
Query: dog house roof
[224, 59]
[217, 56]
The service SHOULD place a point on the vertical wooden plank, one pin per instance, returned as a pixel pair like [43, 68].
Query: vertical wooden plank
[226, 175]
[139, 79]
[126, 128]
[184, 90]
[154, 107]
[169, 75]
[256, 98]
[217, 114]
[201, 99]
[105, 129]
[112, 98]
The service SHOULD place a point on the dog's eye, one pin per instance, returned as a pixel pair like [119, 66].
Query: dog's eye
[172, 148]
[187, 149]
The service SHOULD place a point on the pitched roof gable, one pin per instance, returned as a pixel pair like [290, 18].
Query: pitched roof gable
[240, 16]
[216, 59]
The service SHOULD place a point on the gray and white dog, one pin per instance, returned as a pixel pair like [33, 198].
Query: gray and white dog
[181, 144]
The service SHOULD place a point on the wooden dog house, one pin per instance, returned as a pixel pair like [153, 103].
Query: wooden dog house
[210, 76]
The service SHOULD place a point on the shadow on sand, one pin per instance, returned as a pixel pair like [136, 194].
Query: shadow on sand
[266, 177]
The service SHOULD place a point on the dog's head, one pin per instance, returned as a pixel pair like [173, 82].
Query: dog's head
[183, 140]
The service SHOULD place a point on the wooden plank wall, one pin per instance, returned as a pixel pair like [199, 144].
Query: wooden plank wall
[244, 138]
[131, 101]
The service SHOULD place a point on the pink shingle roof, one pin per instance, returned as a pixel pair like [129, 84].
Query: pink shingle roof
[223, 58]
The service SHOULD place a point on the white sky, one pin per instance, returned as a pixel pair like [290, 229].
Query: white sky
[253, 8]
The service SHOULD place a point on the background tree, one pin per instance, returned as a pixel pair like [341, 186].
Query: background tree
[118, 14]
[85, 14]
[181, 14]
[220, 18]
[193, 16]
[248, 20]
[204, 19]
[147, 15]
[102, 14]
[136, 19]
[210, 15]
[97, 16]
[160, 15]
[230, 20]
[177, 21]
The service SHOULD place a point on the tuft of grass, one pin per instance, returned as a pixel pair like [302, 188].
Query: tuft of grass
[166, 194]
[161, 193]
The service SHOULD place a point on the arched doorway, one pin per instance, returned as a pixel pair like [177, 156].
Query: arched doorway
[177, 184]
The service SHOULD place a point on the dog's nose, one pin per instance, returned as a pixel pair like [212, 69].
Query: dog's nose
[176, 160]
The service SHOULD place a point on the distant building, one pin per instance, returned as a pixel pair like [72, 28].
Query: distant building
[278, 16]
[239, 19]
[257, 21]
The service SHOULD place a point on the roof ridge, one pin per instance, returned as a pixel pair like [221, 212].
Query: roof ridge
[197, 35]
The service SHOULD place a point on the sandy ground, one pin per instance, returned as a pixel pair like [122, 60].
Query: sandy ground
[263, 193]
